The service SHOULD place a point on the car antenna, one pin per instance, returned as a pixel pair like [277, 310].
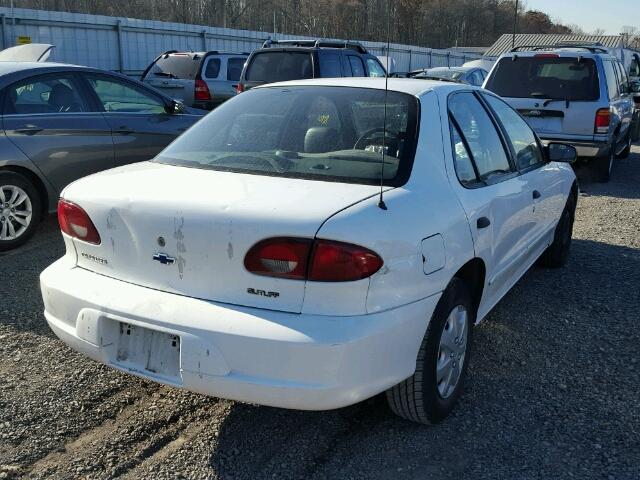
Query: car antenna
[381, 204]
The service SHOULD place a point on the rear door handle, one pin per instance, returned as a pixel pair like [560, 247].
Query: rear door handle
[483, 222]
[28, 129]
[124, 130]
[536, 194]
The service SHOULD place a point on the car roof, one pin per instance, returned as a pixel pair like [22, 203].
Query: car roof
[562, 51]
[207, 53]
[402, 85]
[13, 67]
[452, 69]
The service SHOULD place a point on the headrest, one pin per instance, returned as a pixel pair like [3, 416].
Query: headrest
[320, 140]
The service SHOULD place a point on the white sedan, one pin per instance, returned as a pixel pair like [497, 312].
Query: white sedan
[256, 259]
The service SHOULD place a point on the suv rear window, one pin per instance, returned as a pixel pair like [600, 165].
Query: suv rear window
[312, 132]
[566, 78]
[269, 67]
[179, 65]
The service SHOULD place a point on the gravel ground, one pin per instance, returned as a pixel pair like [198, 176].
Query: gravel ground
[553, 389]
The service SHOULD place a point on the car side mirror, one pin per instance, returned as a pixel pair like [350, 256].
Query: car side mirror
[560, 152]
[175, 107]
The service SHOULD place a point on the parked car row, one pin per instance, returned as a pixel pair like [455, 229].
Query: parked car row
[299, 269]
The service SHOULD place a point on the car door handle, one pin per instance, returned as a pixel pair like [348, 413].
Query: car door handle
[536, 194]
[124, 130]
[28, 129]
[483, 222]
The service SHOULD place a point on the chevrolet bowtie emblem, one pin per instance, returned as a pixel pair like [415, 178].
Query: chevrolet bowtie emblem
[164, 259]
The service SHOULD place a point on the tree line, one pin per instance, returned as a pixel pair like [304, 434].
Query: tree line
[429, 23]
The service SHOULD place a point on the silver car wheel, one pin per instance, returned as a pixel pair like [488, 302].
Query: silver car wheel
[16, 211]
[452, 351]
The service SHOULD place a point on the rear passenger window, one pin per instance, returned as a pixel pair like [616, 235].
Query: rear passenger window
[48, 94]
[612, 81]
[357, 67]
[375, 70]
[623, 81]
[213, 68]
[463, 165]
[234, 68]
[522, 138]
[330, 66]
[475, 125]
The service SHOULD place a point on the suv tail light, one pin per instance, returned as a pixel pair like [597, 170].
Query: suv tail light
[239, 88]
[202, 91]
[314, 260]
[75, 222]
[546, 55]
[603, 119]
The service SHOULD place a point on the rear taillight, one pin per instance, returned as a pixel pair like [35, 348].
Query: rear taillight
[279, 257]
[342, 262]
[547, 55]
[603, 119]
[75, 222]
[202, 91]
[314, 260]
[239, 88]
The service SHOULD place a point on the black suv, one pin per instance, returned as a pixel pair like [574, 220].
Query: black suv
[281, 60]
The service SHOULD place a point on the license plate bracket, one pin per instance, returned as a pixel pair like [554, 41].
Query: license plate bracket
[150, 352]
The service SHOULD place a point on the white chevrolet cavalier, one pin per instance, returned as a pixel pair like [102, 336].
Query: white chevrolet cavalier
[254, 260]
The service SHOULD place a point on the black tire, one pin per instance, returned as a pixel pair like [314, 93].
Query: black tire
[604, 165]
[10, 180]
[627, 150]
[418, 398]
[557, 254]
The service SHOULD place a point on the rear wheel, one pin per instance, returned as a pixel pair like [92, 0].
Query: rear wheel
[430, 394]
[604, 165]
[556, 255]
[19, 210]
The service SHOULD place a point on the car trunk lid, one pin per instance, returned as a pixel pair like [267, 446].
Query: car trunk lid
[187, 231]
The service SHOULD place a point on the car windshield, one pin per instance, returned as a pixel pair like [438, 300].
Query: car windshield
[545, 76]
[270, 67]
[176, 65]
[313, 132]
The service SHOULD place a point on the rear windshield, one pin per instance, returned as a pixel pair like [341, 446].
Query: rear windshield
[567, 78]
[269, 67]
[179, 65]
[319, 133]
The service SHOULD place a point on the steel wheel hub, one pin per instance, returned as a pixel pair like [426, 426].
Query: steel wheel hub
[15, 212]
[452, 351]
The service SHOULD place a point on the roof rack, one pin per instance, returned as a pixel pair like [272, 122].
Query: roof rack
[593, 47]
[316, 44]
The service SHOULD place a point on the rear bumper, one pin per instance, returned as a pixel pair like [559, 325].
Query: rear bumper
[307, 362]
[586, 148]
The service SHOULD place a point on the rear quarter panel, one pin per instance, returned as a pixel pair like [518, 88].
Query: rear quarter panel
[424, 207]
[12, 158]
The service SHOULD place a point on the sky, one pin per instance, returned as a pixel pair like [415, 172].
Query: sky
[610, 15]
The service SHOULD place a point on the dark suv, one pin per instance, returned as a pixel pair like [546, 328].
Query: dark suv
[282, 60]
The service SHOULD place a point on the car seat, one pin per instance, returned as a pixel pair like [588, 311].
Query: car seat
[62, 99]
